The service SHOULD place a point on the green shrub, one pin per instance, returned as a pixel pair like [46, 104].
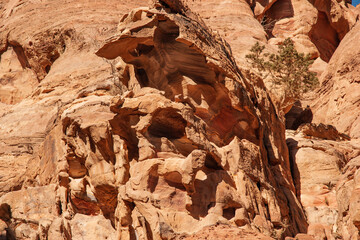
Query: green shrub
[287, 68]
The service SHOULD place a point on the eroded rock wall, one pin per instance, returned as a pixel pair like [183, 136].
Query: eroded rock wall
[160, 135]
[316, 27]
[158, 144]
[323, 165]
[340, 91]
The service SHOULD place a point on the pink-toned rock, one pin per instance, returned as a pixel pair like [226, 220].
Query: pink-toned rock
[322, 131]
[337, 102]
[3, 228]
[91, 227]
[348, 200]
[226, 232]
[318, 67]
[26, 218]
[160, 148]
[186, 180]
[317, 27]
[224, 17]
[302, 236]
[319, 168]
[17, 82]
[155, 133]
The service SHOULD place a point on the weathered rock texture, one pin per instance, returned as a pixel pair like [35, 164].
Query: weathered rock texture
[317, 27]
[339, 101]
[234, 20]
[202, 137]
[168, 140]
[323, 170]
[156, 133]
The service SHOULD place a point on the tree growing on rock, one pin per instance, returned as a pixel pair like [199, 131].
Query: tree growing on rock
[287, 68]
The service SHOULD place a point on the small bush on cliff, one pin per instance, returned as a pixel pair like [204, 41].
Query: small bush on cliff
[287, 68]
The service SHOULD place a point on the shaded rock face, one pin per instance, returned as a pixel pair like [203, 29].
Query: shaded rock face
[162, 143]
[297, 116]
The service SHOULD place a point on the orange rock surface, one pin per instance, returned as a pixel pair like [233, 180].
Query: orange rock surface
[143, 120]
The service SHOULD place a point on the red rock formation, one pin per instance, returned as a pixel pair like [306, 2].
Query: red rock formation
[169, 141]
[160, 135]
[190, 73]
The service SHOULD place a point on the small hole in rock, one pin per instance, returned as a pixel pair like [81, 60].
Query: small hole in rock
[229, 213]
[47, 69]
[258, 185]
[210, 205]
[211, 163]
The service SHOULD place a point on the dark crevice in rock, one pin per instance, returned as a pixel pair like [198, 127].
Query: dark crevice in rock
[211, 205]
[274, 12]
[204, 196]
[297, 116]
[5, 212]
[229, 213]
[145, 224]
[258, 186]
[59, 208]
[271, 155]
[107, 200]
[47, 68]
[18, 49]
[142, 77]
[153, 179]
[167, 123]
[175, 184]
[175, 6]
[211, 163]
[293, 148]
[121, 126]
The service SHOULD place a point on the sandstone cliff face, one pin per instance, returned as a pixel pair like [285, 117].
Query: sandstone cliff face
[320, 164]
[53, 58]
[157, 145]
[340, 91]
[119, 121]
[317, 27]
[234, 20]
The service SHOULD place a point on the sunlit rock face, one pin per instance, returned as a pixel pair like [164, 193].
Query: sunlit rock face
[156, 133]
[340, 91]
[159, 136]
[316, 26]
[203, 142]
[324, 165]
